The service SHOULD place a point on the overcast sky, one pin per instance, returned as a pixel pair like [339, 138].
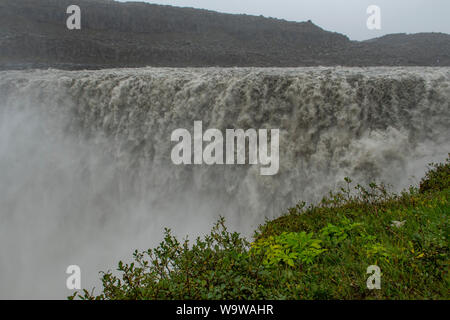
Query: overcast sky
[344, 16]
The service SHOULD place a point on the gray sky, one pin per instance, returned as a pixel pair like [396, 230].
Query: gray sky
[344, 16]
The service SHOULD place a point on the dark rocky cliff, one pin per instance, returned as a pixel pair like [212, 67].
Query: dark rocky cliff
[34, 34]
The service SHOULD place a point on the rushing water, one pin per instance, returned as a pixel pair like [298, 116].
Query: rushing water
[86, 175]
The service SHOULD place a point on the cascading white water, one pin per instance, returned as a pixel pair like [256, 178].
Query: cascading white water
[86, 175]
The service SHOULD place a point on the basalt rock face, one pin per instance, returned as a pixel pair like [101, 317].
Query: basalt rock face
[34, 34]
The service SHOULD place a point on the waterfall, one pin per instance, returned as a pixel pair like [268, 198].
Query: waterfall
[86, 175]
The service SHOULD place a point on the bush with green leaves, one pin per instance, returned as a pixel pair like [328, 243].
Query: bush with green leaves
[288, 248]
[216, 267]
[337, 234]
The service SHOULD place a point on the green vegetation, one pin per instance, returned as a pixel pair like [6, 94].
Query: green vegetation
[436, 179]
[316, 252]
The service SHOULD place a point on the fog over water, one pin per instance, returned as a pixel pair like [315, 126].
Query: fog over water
[86, 175]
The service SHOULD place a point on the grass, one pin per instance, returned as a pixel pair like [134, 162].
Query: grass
[316, 252]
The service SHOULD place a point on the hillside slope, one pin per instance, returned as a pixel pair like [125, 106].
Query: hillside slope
[318, 252]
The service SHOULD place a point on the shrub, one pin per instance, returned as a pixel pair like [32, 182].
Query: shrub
[437, 178]
[337, 234]
[216, 267]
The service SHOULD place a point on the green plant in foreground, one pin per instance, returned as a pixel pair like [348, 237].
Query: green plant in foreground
[339, 233]
[289, 248]
[316, 252]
